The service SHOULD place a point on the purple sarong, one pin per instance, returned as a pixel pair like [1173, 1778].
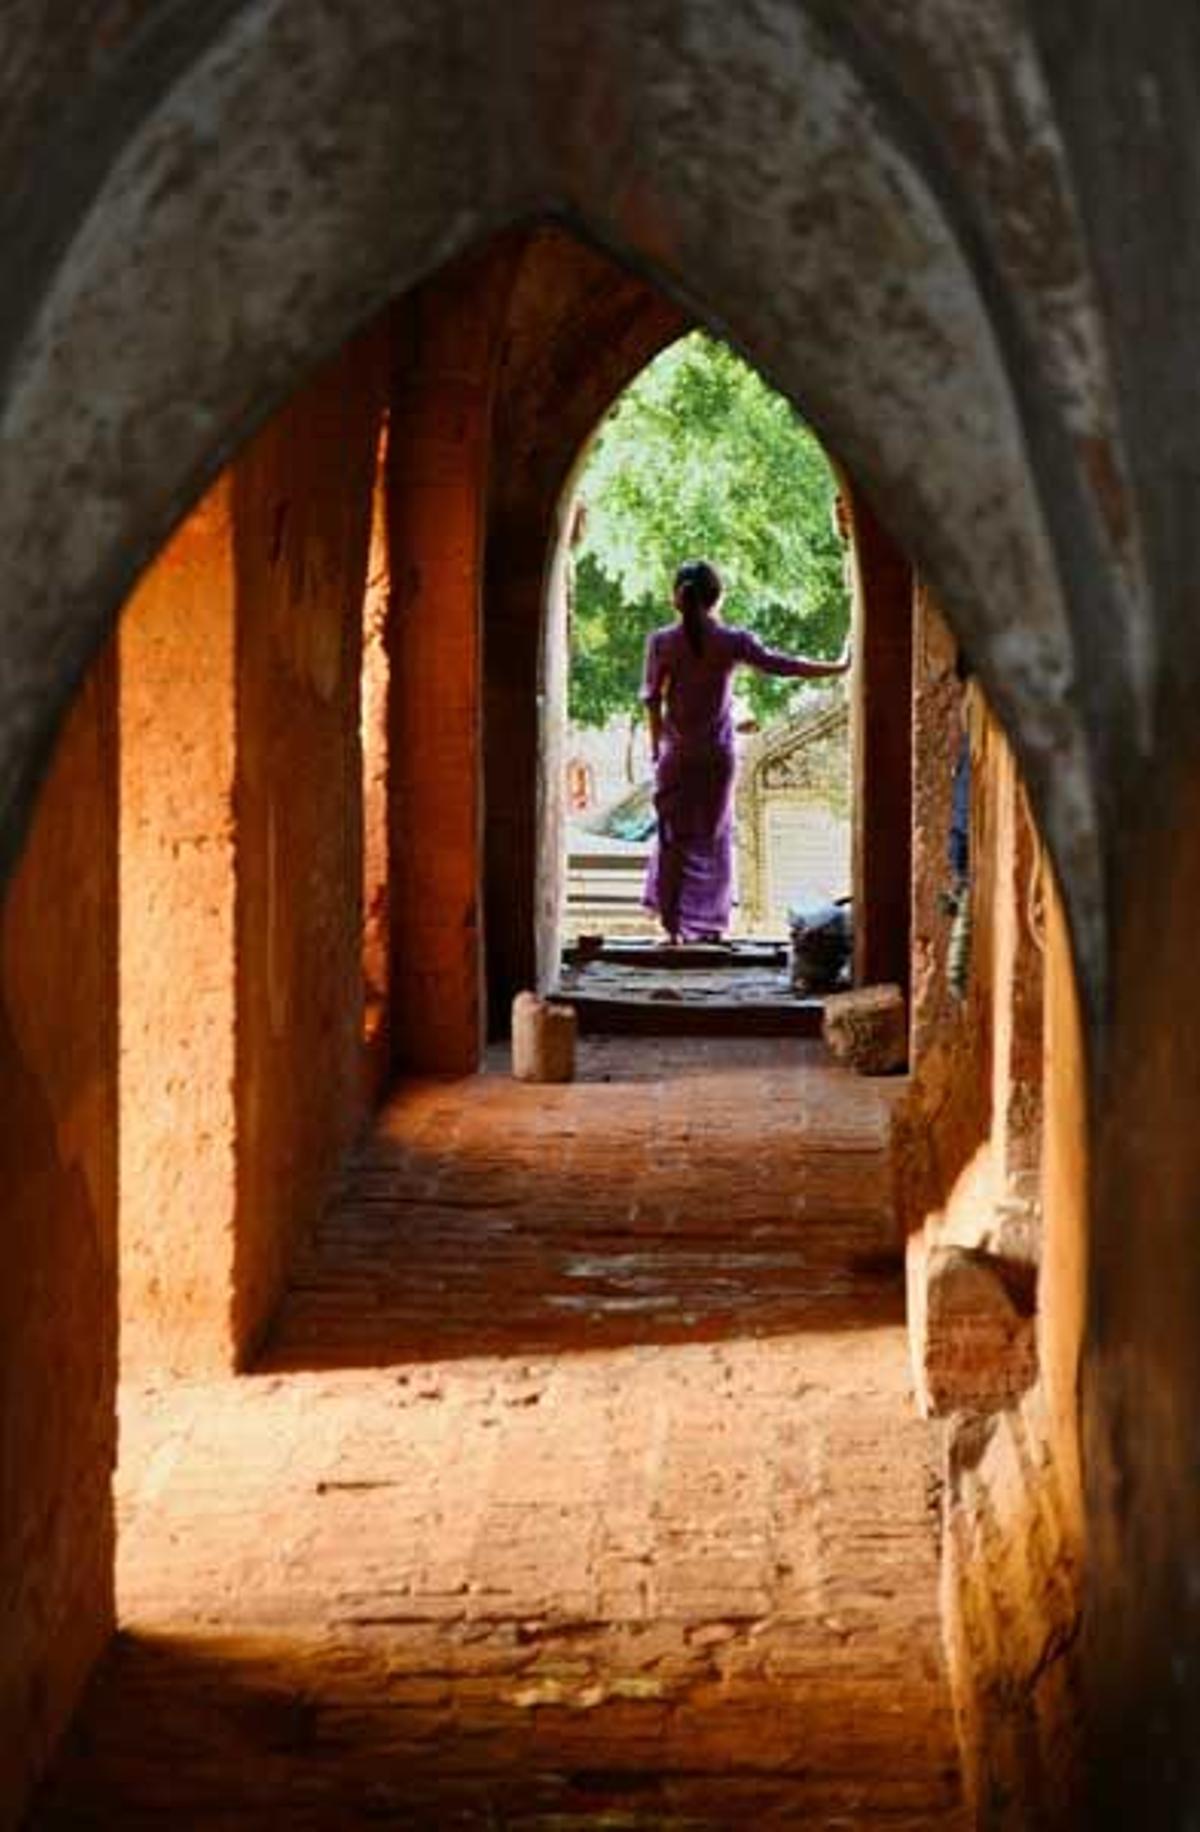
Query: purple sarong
[689, 881]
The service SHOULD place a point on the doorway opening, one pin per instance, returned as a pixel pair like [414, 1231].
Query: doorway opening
[700, 458]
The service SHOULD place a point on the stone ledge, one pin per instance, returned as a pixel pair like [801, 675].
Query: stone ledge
[972, 1328]
[543, 1040]
[868, 1029]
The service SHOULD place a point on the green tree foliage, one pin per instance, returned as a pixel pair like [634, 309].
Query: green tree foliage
[700, 459]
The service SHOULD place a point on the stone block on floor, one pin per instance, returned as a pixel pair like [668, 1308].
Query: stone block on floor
[543, 1039]
[972, 1329]
[868, 1029]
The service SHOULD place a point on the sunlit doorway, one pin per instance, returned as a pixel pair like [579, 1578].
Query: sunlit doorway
[700, 458]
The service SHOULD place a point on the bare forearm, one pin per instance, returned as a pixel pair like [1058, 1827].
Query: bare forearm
[800, 667]
[809, 669]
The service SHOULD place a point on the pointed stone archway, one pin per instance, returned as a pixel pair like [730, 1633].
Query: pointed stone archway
[882, 214]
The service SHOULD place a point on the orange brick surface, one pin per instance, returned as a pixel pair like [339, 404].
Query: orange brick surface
[579, 1485]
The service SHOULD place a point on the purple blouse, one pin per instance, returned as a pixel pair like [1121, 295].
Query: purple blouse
[698, 689]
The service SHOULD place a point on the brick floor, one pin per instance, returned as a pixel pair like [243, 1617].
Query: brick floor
[578, 1486]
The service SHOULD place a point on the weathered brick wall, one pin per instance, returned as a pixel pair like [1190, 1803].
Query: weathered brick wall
[992, 1182]
[241, 875]
[229, 816]
[1013, 1548]
[178, 746]
[301, 507]
[948, 1115]
[1011, 1590]
[58, 1295]
[447, 339]
[973, 1119]
[937, 729]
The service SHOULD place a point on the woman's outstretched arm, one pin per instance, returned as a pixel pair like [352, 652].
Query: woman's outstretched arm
[797, 667]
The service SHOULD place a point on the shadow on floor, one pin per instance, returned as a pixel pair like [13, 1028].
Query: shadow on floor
[688, 1587]
[527, 1730]
[677, 1191]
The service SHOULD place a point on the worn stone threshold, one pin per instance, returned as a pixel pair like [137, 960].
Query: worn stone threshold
[629, 951]
[740, 989]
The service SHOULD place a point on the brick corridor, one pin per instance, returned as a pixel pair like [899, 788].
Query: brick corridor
[579, 1486]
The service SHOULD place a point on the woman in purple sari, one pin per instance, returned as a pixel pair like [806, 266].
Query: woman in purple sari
[688, 693]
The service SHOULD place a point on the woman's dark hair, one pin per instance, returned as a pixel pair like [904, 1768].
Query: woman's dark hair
[697, 588]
